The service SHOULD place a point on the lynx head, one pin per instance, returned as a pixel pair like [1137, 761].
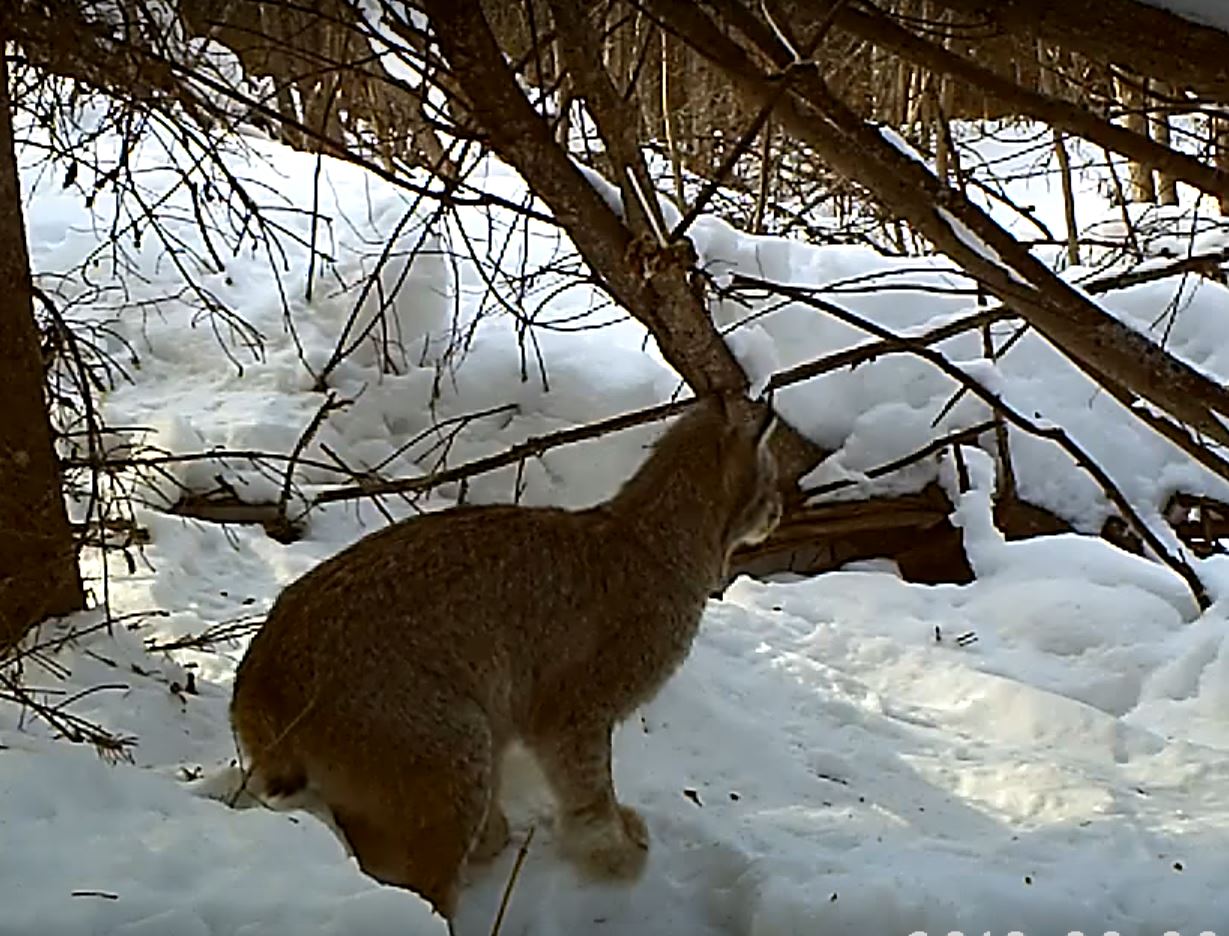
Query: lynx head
[750, 472]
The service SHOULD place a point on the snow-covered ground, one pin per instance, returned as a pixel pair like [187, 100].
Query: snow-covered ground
[837, 756]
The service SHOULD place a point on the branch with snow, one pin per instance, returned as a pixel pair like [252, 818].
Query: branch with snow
[978, 387]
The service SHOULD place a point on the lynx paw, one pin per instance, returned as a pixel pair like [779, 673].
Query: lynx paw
[616, 849]
[493, 839]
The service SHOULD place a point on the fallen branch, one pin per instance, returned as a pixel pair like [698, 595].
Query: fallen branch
[65, 724]
[531, 448]
[913, 530]
[960, 436]
[1207, 265]
[228, 508]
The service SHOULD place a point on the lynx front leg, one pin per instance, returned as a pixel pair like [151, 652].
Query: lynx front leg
[604, 838]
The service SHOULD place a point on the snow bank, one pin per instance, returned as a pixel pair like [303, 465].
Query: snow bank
[830, 759]
[92, 848]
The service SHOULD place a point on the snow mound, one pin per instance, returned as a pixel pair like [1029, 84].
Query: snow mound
[117, 850]
[829, 759]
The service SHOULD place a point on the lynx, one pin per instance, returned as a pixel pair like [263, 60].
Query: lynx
[390, 679]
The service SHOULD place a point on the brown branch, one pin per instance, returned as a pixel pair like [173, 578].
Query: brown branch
[1207, 265]
[330, 405]
[55, 36]
[867, 352]
[655, 286]
[879, 29]
[760, 123]
[537, 445]
[912, 529]
[521, 136]
[617, 124]
[932, 447]
[531, 448]
[220, 632]
[66, 724]
[228, 509]
[115, 462]
[1203, 264]
[521, 854]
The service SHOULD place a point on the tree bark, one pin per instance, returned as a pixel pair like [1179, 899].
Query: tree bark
[38, 559]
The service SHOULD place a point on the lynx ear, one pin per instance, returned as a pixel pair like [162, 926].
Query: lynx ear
[724, 403]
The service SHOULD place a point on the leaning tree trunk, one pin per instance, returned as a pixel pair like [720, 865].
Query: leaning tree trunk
[38, 561]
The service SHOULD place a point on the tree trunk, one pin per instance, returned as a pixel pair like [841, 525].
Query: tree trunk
[1220, 149]
[1134, 101]
[1166, 184]
[38, 560]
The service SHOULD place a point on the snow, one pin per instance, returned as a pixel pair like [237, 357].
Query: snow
[1043, 777]
[142, 857]
[838, 755]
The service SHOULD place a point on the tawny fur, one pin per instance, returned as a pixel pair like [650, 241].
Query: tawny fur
[390, 679]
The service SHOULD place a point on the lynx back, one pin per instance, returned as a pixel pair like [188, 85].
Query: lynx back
[389, 680]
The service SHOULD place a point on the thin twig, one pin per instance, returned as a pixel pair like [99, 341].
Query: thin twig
[521, 854]
[330, 404]
[871, 350]
[1054, 433]
[956, 438]
[534, 446]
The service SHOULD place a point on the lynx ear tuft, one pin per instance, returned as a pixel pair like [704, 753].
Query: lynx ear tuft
[766, 427]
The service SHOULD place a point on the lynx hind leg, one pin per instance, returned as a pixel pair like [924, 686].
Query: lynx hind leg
[413, 808]
[397, 847]
[602, 837]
